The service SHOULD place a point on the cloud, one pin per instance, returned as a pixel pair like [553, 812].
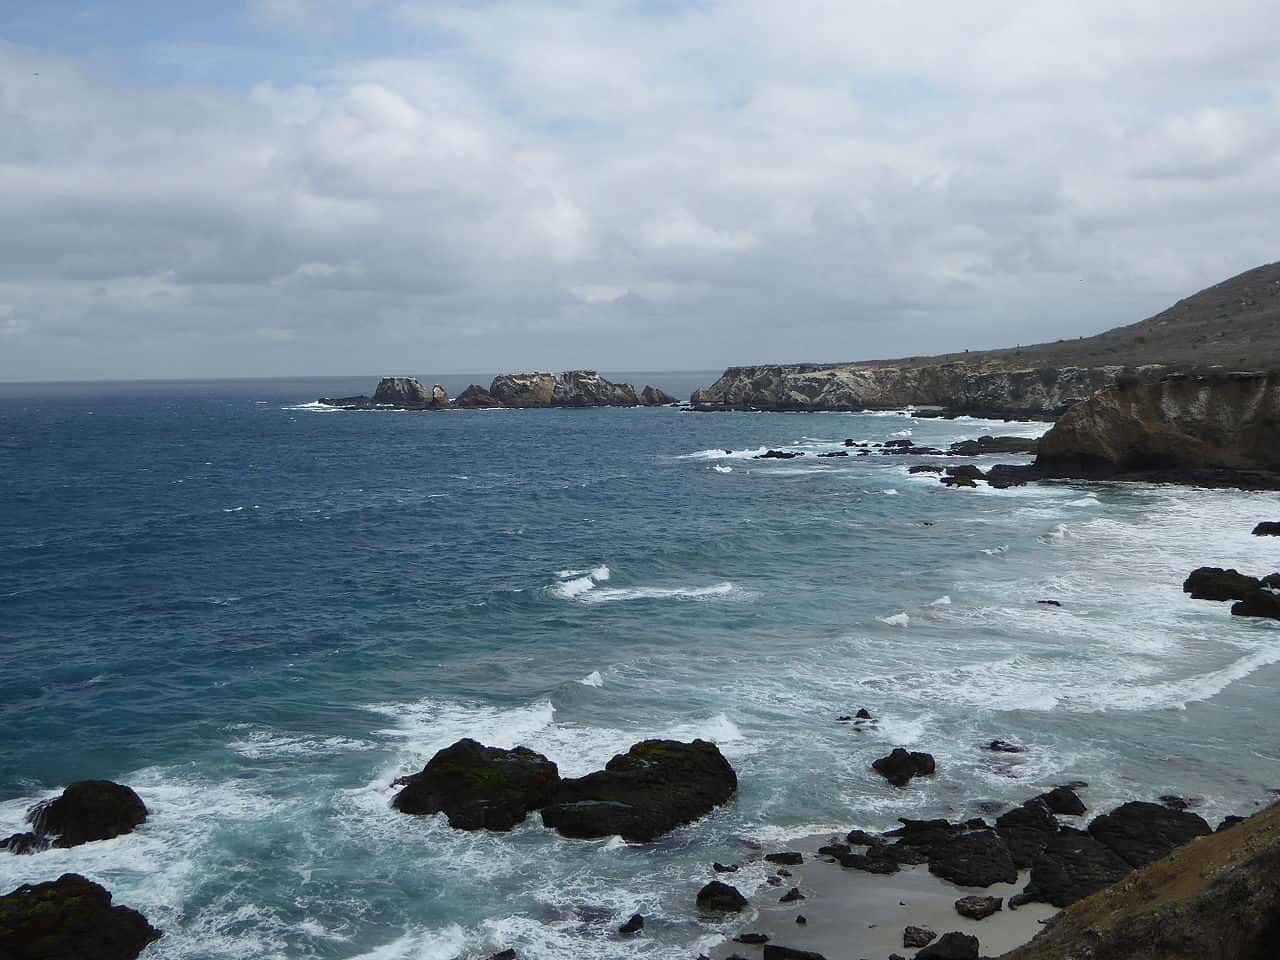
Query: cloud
[622, 184]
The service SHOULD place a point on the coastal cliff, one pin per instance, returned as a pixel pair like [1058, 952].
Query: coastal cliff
[1181, 427]
[977, 388]
[1232, 325]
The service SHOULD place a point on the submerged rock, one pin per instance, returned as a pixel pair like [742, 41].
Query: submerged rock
[777, 455]
[1268, 528]
[722, 897]
[1004, 746]
[650, 790]
[900, 766]
[70, 918]
[479, 787]
[1215, 583]
[88, 810]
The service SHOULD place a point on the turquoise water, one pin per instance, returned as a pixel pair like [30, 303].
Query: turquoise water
[259, 613]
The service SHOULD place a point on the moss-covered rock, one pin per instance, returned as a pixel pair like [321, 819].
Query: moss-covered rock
[70, 918]
[479, 787]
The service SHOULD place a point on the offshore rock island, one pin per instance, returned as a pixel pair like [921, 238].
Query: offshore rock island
[574, 388]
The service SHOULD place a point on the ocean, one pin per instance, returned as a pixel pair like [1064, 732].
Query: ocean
[258, 613]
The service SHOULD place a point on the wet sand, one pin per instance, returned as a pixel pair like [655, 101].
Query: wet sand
[854, 915]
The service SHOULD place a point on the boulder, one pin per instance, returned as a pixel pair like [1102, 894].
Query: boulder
[479, 787]
[1263, 602]
[88, 810]
[720, 897]
[654, 397]
[650, 790]
[951, 946]
[900, 766]
[1268, 528]
[752, 938]
[1026, 831]
[1214, 583]
[966, 471]
[790, 858]
[70, 918]
[1141, 833]
[792, 896]
[774, 952]
[634, 925]
[976, 859]
[1071, 866]
[476, 397]
[878, 859]
[979, 908]
[916, 937]
[1004, 746]
[1063, 801]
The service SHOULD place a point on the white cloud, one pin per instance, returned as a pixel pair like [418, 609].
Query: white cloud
[805, 181]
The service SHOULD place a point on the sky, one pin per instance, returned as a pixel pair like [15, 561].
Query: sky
[329, 187]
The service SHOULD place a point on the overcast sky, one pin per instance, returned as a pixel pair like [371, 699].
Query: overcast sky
[363, 186]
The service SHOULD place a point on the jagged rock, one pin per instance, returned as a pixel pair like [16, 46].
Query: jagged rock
[1141, 833]
[966, 471]
[720, 896]
[88, 810]
[789, 858]
[634, 925]
[650, 790]
[976, 859]
[654, 397]
[862, 838]
[991, 445]
[901, 765]
[1214, 583]
[1063, 801]
[916, 937]
[479, 787]
[22, 844]
[70, 918]
[1026, 831]
[979, 908]
[836, 850]
[476, 397]
[878, 859]
[1071, 866]
[1268, 528]
[863, 714]
[586, 388]
[523, 389]
[777, 455]
[951, 946]
[791, 896]
[924, 836]
[408, 393]
[1263, 602]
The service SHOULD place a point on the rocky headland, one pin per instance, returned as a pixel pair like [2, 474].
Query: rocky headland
[1230, 326]
[574, 388]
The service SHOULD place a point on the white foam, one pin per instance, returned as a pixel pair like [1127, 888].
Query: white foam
[260, 744]
[722, 453]
[592, 679]
[891, 492]
[719, 468]
[996, 551]
[575, 583]
[941, 602]
[896, 620]
[232, 509]
[315, 406]
[658, 593]
[1057, 533]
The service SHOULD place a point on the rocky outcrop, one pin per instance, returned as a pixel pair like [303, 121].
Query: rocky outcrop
[475, 397]
[644, 793]
[973, 387]
[1216, 429]
[523, 389]
[395, 393]
[1141, 833]
[1215, 583]
[586, 388]
[987, 445]
[1268, 528]
[1263, 602]
[479, 787]
[86, 811]
[655, 397]
[1217, 897]
[900, 766]
[721, 897]
[575, 388]
[70, 918]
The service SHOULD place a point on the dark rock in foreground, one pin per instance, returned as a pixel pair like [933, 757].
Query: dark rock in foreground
[951, 946]
[1063, 801]
[773, 952]
[88, 810]
[1026, 831]
[650, 790]
[916, 937]
[25, 843]
[979, 908]
[1071, 866]
[976, 859]
[1263, 602]
[722, 897]
[634, 925]
[901, 765]
[1215, 583]
[479, 787]
[70, 918]
[1268, 528]
[1141, 833]
[777, 455]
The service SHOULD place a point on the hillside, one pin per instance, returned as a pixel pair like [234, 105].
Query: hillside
[1230, 326]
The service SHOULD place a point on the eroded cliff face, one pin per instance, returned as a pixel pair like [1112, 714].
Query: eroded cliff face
[957, 386]
[1225, 422]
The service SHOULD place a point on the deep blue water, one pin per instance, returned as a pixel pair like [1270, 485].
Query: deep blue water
[258, 614]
